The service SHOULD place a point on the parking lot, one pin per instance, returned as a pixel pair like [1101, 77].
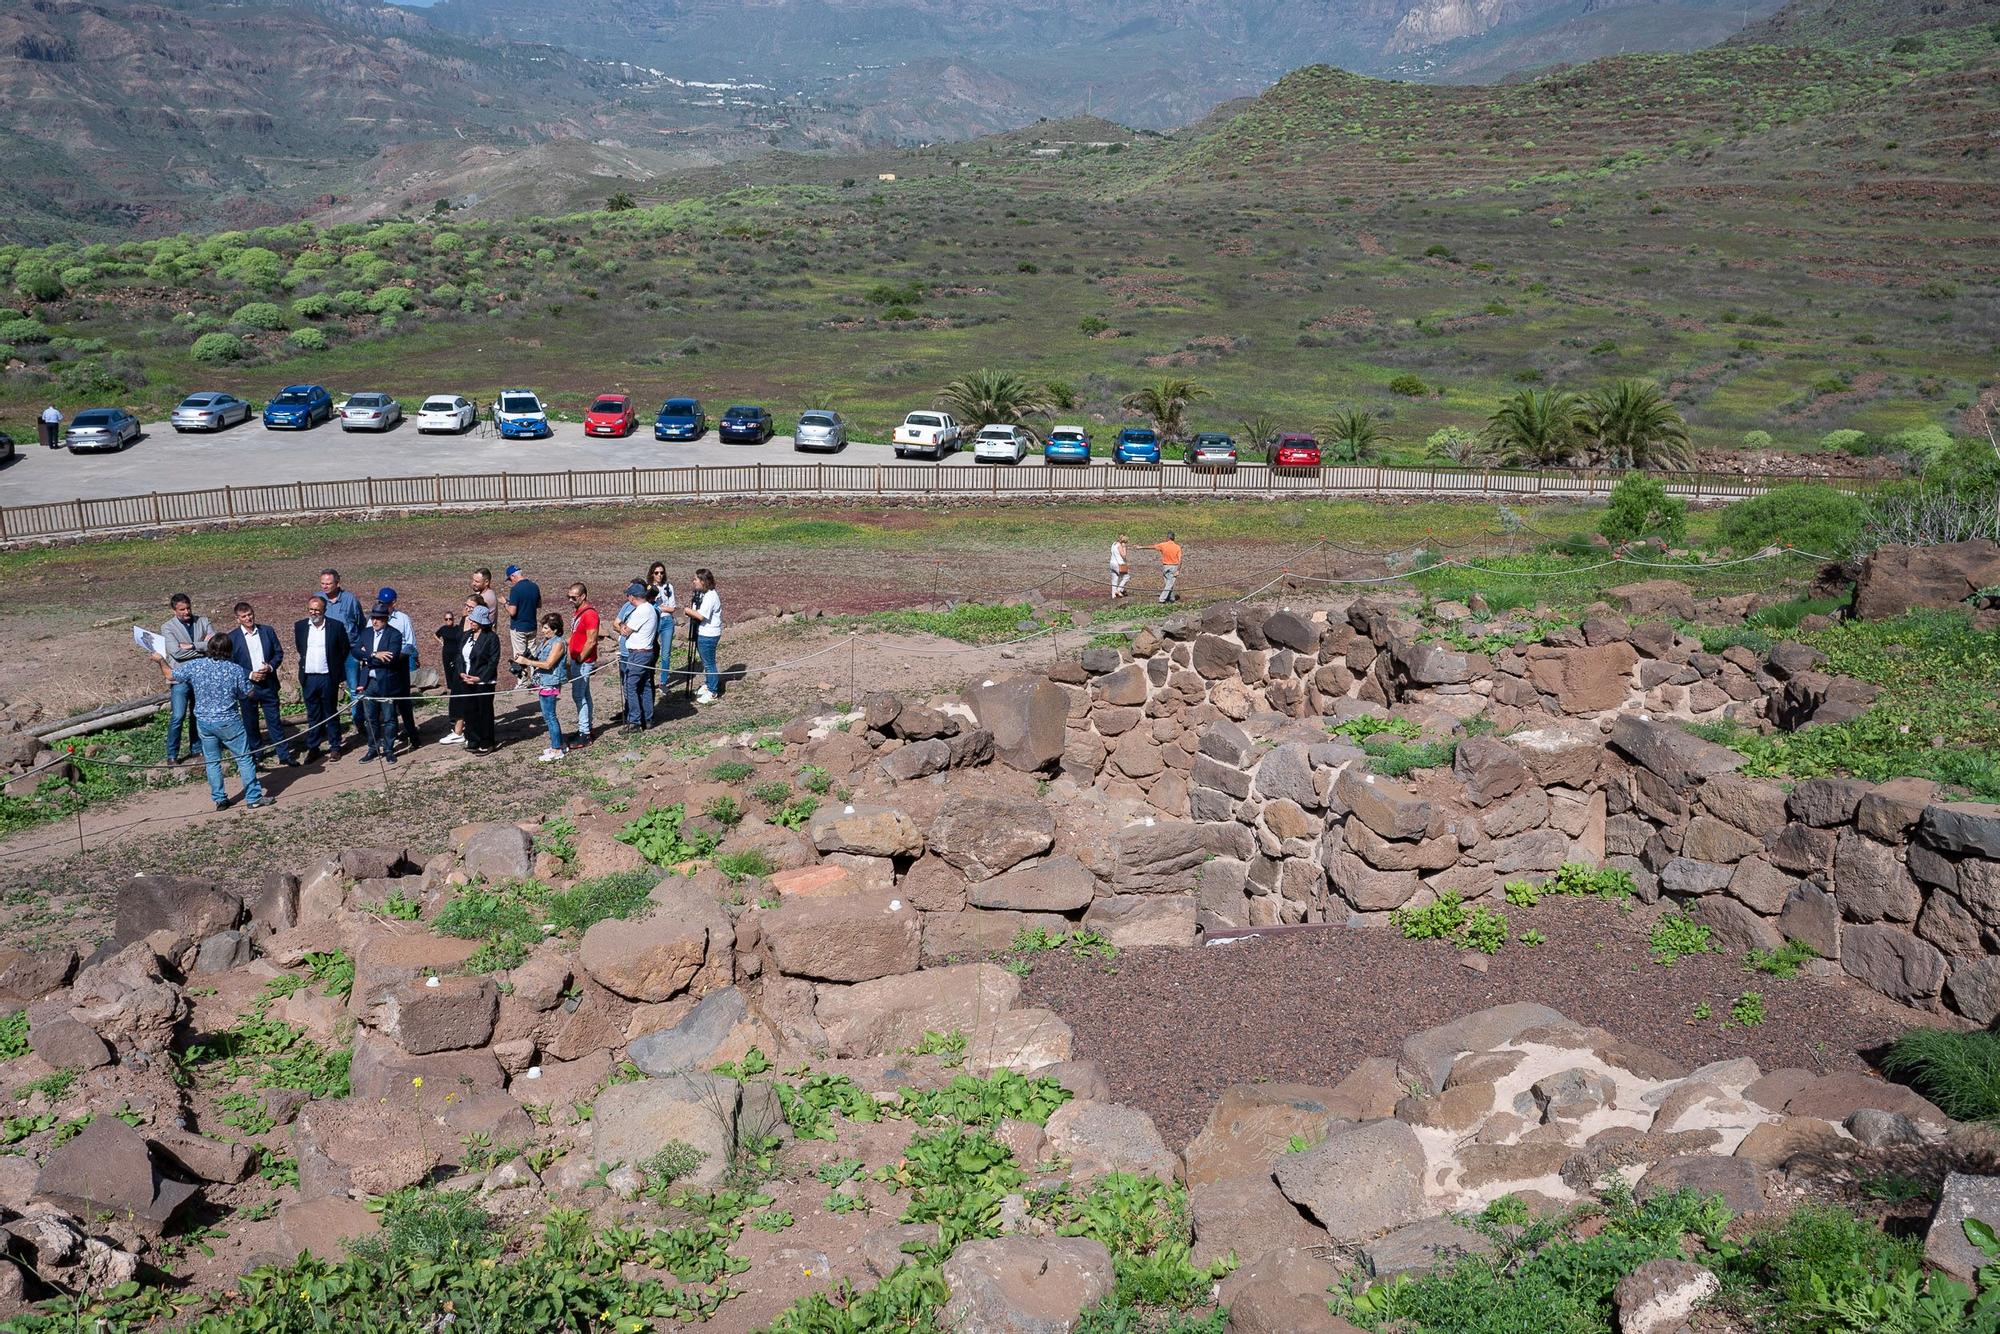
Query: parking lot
[246, 454]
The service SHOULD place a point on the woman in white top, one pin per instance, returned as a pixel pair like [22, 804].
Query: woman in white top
[1121, 569]
[706, 615]
[664, 603]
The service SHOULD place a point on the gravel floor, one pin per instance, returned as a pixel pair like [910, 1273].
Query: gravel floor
[1171, 1029]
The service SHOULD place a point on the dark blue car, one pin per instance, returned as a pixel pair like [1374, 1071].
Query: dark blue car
[1136, 444]
[680, 419]
[743, 425]
[299, 407]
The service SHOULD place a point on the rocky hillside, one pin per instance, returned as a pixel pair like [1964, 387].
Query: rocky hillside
[1843, 22]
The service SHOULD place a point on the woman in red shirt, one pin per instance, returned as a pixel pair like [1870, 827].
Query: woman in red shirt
[583, 638]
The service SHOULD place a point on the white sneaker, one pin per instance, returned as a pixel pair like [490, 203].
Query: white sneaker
[452, 739]
[548, 756]
[705, 698]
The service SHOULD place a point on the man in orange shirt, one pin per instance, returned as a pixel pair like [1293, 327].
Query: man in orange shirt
[583, 637]
[1170, 566]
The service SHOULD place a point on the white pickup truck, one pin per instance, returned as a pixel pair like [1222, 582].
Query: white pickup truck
[933, 434]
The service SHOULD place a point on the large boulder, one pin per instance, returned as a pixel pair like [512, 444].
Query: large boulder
[845, 938]
[1157, 857]
[1964, 1197]
[1251, 1125]
[1140, 921]
[1892, 961]
[1489, 768]
[1584, 680]
[499, 852]
[1025, 1285]
[1428, 1055]
[1653, 598]
[691, 1043]
[127, 1000]
[1027, 715]
[108, 1169]
[1060, 884]
[1103, 1137]
[983, 836]
[886, 1015]
[196, 909]
[1895, 579]
[657, 957]
[1246, 1215]
[1360, 1183]
[1673, 753]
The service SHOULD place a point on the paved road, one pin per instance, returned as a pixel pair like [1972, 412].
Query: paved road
[163, 461]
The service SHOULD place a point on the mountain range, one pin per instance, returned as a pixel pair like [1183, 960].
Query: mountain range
[144, 116]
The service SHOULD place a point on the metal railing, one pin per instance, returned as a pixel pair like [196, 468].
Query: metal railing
[158, 510]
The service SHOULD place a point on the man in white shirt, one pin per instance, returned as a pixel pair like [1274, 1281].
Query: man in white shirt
[706, 613]
[50, 425]
[256, 650]
[638, 627]
[322, 648]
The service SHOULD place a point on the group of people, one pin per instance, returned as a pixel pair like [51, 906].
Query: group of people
[1170, 567]
[223, 687]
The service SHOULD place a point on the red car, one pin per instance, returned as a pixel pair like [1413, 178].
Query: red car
[611, 414]
[1295, 451]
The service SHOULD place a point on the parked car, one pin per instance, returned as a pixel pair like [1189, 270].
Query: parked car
[745, 425]
[1136, 444]
[1212, 449]
[1294, 449]
[1000, 444]
[370, 411]
[6, 445]
[451, 413]
[932, 433]
[612, 415]
[209, 410]
[101, 428]
[299, 407]
[820, 429]
[520, 416]
[1066, 444]
[680, 419]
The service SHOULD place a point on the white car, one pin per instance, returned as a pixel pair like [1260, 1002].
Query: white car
[930, 433]
[1000, 444]
[452, 413]
[370, 412]
[520, 415]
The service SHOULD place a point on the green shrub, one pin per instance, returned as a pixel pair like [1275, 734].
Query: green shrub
[389, 300]
[1756, 440]
[315, 307]
[217, 348]
[1640, 507]
[1824, 1271]
[306, 340]
[1847, 441]
[1926, 445]
[1675, 936]
[22, 331]
[1960, 1072]
[1805, 515]
[1409, 386]
[39, 282]
[658, 836]
[259, 315]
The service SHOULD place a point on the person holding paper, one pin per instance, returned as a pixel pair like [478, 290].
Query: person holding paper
[186, 636]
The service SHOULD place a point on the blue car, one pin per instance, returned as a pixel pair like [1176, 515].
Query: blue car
[680, 419]
[743, 424]
[298, 407]
[1066, 444]
[1136, 444]
[519, 415]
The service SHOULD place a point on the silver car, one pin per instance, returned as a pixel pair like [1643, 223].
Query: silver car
[369, 412]
[209, 411]
[101, 428]
[820, 429]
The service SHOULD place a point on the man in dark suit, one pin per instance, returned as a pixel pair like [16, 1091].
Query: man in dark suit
[255, 649]
[379, 651]
[322, 648]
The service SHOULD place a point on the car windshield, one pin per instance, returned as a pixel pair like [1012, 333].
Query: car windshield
[98, 417]
[608, 405]
[440, 405]
[923, 419]
[997, 433]
[198, 400]
[1140, 437]
[520, 403]
[289, 396]
[741, 412]
[1065, 435]
[368, 401]
[816, 419]
[678, 407]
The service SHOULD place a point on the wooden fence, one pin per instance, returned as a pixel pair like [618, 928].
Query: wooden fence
[445, 492]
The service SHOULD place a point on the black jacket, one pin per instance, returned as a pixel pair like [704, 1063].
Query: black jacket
[485, 657]
[336, 646]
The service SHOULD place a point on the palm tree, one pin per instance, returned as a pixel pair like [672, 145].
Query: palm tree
[1257, 429]
[1352, 436]
[1632, 426]
[1165, 404]
[1542, 428]
[994, 398]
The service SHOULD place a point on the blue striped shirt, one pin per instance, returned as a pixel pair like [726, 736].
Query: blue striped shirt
[219, 688]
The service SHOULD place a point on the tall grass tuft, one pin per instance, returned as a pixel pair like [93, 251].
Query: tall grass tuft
[1960, 1072]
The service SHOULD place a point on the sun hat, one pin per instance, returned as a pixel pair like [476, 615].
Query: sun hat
[481, 616]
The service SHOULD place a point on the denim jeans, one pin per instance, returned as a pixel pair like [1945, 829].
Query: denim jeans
[635, 672]
[549, 719]
[666, 654]
[705, 645]
[352, 667]
[182, 716]
[579, 690]
[267, 707]
[216, 735]
[378, 715]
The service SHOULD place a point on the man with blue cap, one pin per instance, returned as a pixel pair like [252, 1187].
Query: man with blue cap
[379, 652]
[406, 704]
